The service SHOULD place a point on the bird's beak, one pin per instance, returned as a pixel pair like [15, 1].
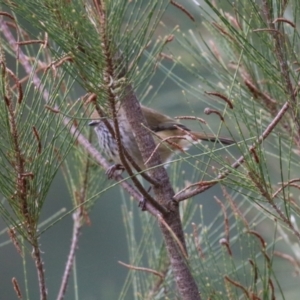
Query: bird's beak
[93, 123]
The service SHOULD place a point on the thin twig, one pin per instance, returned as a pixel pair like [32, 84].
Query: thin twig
[31, 42]
[75, 236]
[284, 20]
[183, 9]
[284, 185]
[6, 14]
[154, 272]
[272, 289]
[294, 262]
[37, 136]
[273, 30]
[85, 186]
[260, 238]
[198, 184]
[209, 111]
[191, 118]
[12, 235]
[158, 283]
[17, 83]
[238, 285]
[59, 62]
[219, 95]
[255, 270]
[40, 269]
[17, 288]
[225, 243]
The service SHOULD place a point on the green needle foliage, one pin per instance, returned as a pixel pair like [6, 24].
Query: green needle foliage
[243, 65]
[122, 35]
[34, 141]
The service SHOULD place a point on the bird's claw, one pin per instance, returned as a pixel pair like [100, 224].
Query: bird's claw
[142, 204]
[114, 170]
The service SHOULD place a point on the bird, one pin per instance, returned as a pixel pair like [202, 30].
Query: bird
[169, 135]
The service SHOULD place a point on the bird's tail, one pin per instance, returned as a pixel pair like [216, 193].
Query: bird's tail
[197, 137]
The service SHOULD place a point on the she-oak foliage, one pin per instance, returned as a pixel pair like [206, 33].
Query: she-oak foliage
[112, 49]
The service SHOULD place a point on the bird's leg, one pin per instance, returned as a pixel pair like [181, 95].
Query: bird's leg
[116, 169]
[142, 203]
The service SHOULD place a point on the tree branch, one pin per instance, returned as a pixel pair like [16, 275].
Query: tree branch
[77, 219]
[164, 193]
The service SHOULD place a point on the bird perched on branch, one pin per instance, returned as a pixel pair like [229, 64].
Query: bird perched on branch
[170, 136]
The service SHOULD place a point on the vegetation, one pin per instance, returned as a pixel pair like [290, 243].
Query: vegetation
[240, 60]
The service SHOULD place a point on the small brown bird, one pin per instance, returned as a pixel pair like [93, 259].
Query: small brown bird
[163, 127]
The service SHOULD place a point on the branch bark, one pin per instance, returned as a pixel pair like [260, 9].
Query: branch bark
[164, 193]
